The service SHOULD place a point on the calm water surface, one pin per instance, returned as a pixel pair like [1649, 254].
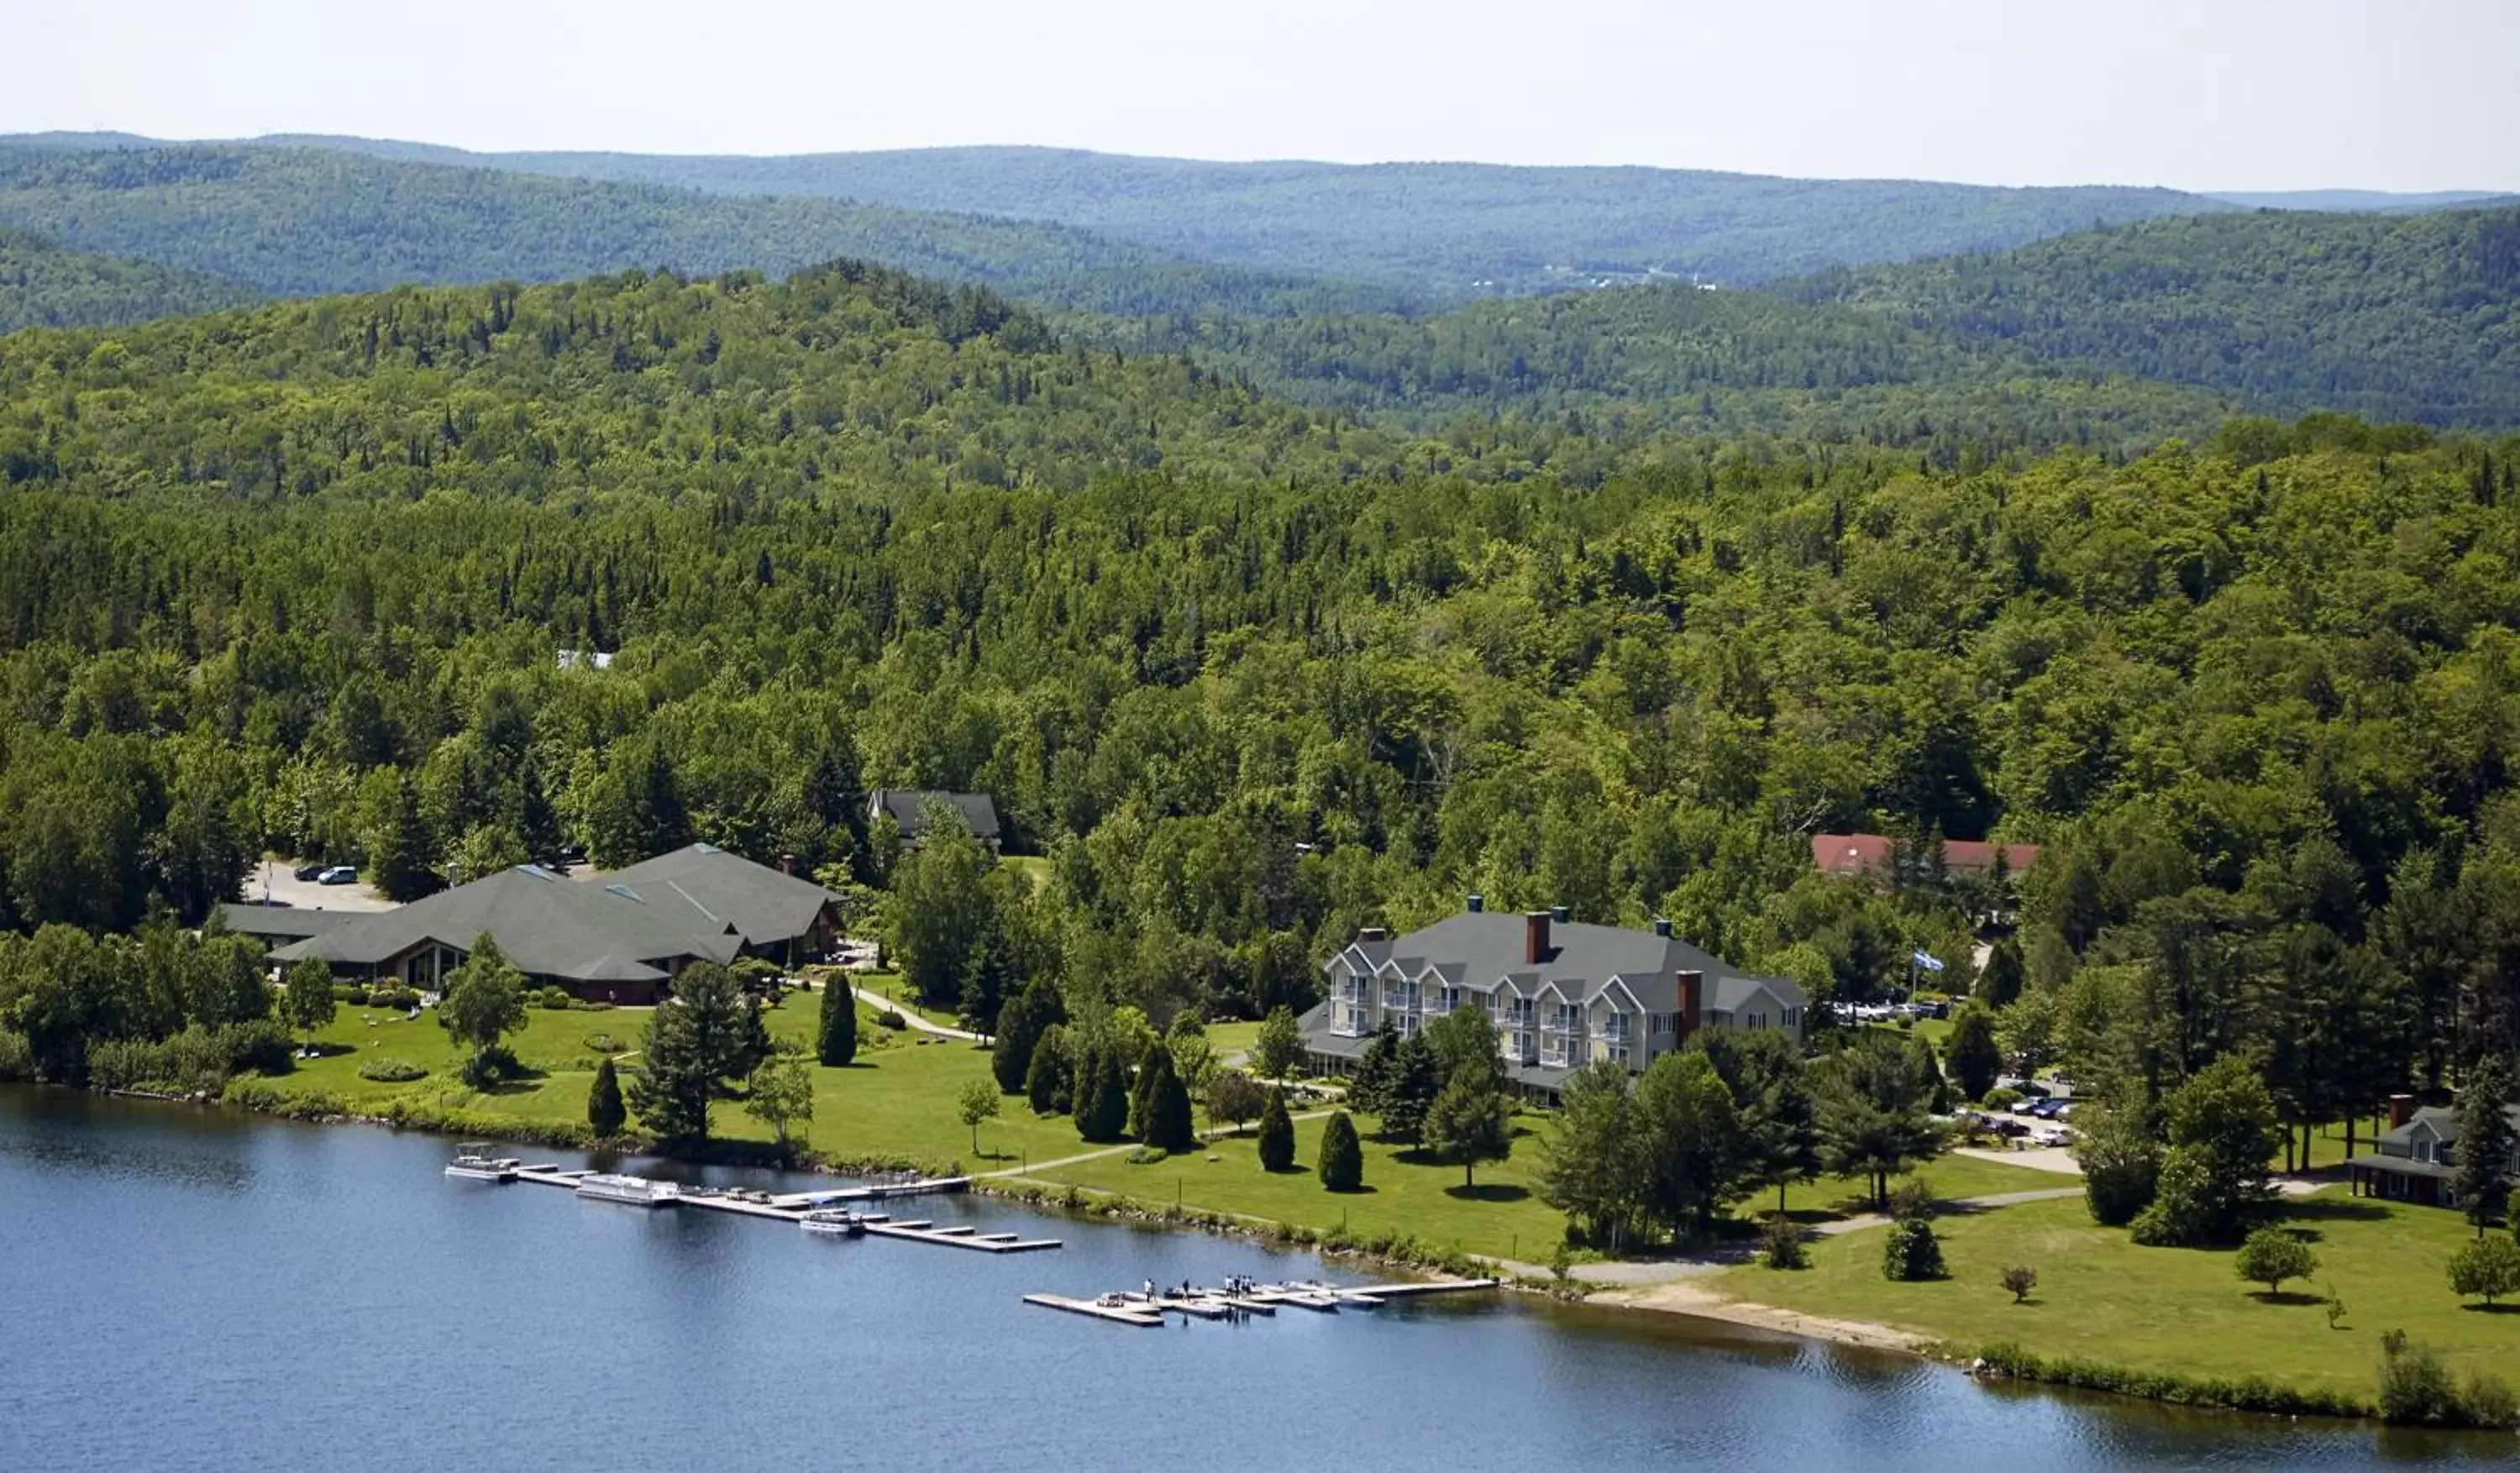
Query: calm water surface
[188, 1289]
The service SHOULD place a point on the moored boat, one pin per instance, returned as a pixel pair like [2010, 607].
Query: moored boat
[636, 1192]
[834, 1220]
[474, 1163]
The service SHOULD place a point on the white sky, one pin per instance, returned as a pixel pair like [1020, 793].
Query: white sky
[2231, 94]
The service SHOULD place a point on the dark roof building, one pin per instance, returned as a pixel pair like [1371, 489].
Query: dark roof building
[2416, 1159]
[275, 924]
[1562, 993]
[618, 938]
[907, 807]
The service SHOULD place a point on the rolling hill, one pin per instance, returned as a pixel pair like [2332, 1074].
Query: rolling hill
[42, 284]
[293, 221]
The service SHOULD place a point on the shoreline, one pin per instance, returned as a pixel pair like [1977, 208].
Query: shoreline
[1689, 1296]
[1692, 1297]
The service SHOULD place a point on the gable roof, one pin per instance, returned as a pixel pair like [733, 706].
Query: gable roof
[2441, 1122]
[908, 808]
[548, 924]
[1487, 947]
[762, 904]
[1863, 853]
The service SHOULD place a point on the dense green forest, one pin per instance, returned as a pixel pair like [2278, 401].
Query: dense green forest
[293, 221]
[2389, 317]
[296, 579]
[43, 285]
[2117, 336]
[1444, 229]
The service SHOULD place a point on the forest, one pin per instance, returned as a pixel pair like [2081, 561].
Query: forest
[1440, 231]
[291, 222]
[1249, 676]
[43, 285]
[2109, 339]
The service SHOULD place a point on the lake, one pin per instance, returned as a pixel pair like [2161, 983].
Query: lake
[188, 1288]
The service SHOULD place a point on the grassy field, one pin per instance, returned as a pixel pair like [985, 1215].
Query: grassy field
[2101, 1298]
[898, 1099]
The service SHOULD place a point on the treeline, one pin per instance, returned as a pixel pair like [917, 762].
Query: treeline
[289, 221]
[1442, 230]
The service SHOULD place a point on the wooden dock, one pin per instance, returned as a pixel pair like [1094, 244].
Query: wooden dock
[791, 1207]
[1141, 1319]
[962, 1235]
[1143, 1309]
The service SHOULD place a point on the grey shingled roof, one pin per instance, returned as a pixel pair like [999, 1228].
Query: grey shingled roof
[908, 807]
[2444, 1122]
[762, 904]
[282, 922]
[547, 924]
[1476, 948]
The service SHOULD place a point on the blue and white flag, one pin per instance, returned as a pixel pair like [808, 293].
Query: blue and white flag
[1927, 960]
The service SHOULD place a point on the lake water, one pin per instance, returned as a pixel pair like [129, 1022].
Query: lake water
[191, 1289]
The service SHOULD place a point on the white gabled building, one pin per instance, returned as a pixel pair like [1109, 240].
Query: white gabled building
[1562, 993]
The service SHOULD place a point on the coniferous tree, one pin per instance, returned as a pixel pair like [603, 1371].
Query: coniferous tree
[1416, 1078]
[605, 1112]
[1103, 1114]
[1977, 1059]
[700, 1041]
[1165, 1118]
[1048, 1082]
[2483, 1176]
[1277, 1134]
[835, 1039]
[1021, 1025]
[2000, 982]
[1342, 1156]
[1377, 1066]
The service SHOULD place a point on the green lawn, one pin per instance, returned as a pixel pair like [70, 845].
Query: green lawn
[2101, 1298]
[899, 1099]
[1032, 867]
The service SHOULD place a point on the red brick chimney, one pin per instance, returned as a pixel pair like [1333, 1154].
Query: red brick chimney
[1692, 988]
[786, 864]
[1535, 937]
[2402, 1108]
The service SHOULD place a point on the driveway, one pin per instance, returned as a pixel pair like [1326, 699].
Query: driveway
[2056, 1158]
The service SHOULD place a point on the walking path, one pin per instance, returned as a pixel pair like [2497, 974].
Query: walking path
[916, 1023]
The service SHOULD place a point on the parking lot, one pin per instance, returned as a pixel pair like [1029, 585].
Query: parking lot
[273, 879]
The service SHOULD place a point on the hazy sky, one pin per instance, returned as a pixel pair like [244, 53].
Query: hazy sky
[2234, 94]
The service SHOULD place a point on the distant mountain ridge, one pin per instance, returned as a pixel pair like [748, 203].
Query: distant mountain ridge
[2362, 201]
[292, 222]
[1449, 231]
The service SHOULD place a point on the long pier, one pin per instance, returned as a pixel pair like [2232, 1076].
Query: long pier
[1147, 1311]
[791, 1207]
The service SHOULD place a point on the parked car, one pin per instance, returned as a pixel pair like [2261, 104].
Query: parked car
[339, 875]
[308, 871]
[2048, 1110]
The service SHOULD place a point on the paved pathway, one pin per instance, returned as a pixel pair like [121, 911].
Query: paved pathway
[918, 1024]
[2055, 1158]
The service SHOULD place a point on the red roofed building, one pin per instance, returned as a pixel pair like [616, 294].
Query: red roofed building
[1869, 854]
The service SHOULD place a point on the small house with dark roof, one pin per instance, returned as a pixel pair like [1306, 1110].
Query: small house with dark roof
[907, 807]
[1563, 994]
[2416, 1159]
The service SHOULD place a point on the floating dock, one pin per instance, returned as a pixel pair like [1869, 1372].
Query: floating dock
[1146, 1311]
[791, 1207]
